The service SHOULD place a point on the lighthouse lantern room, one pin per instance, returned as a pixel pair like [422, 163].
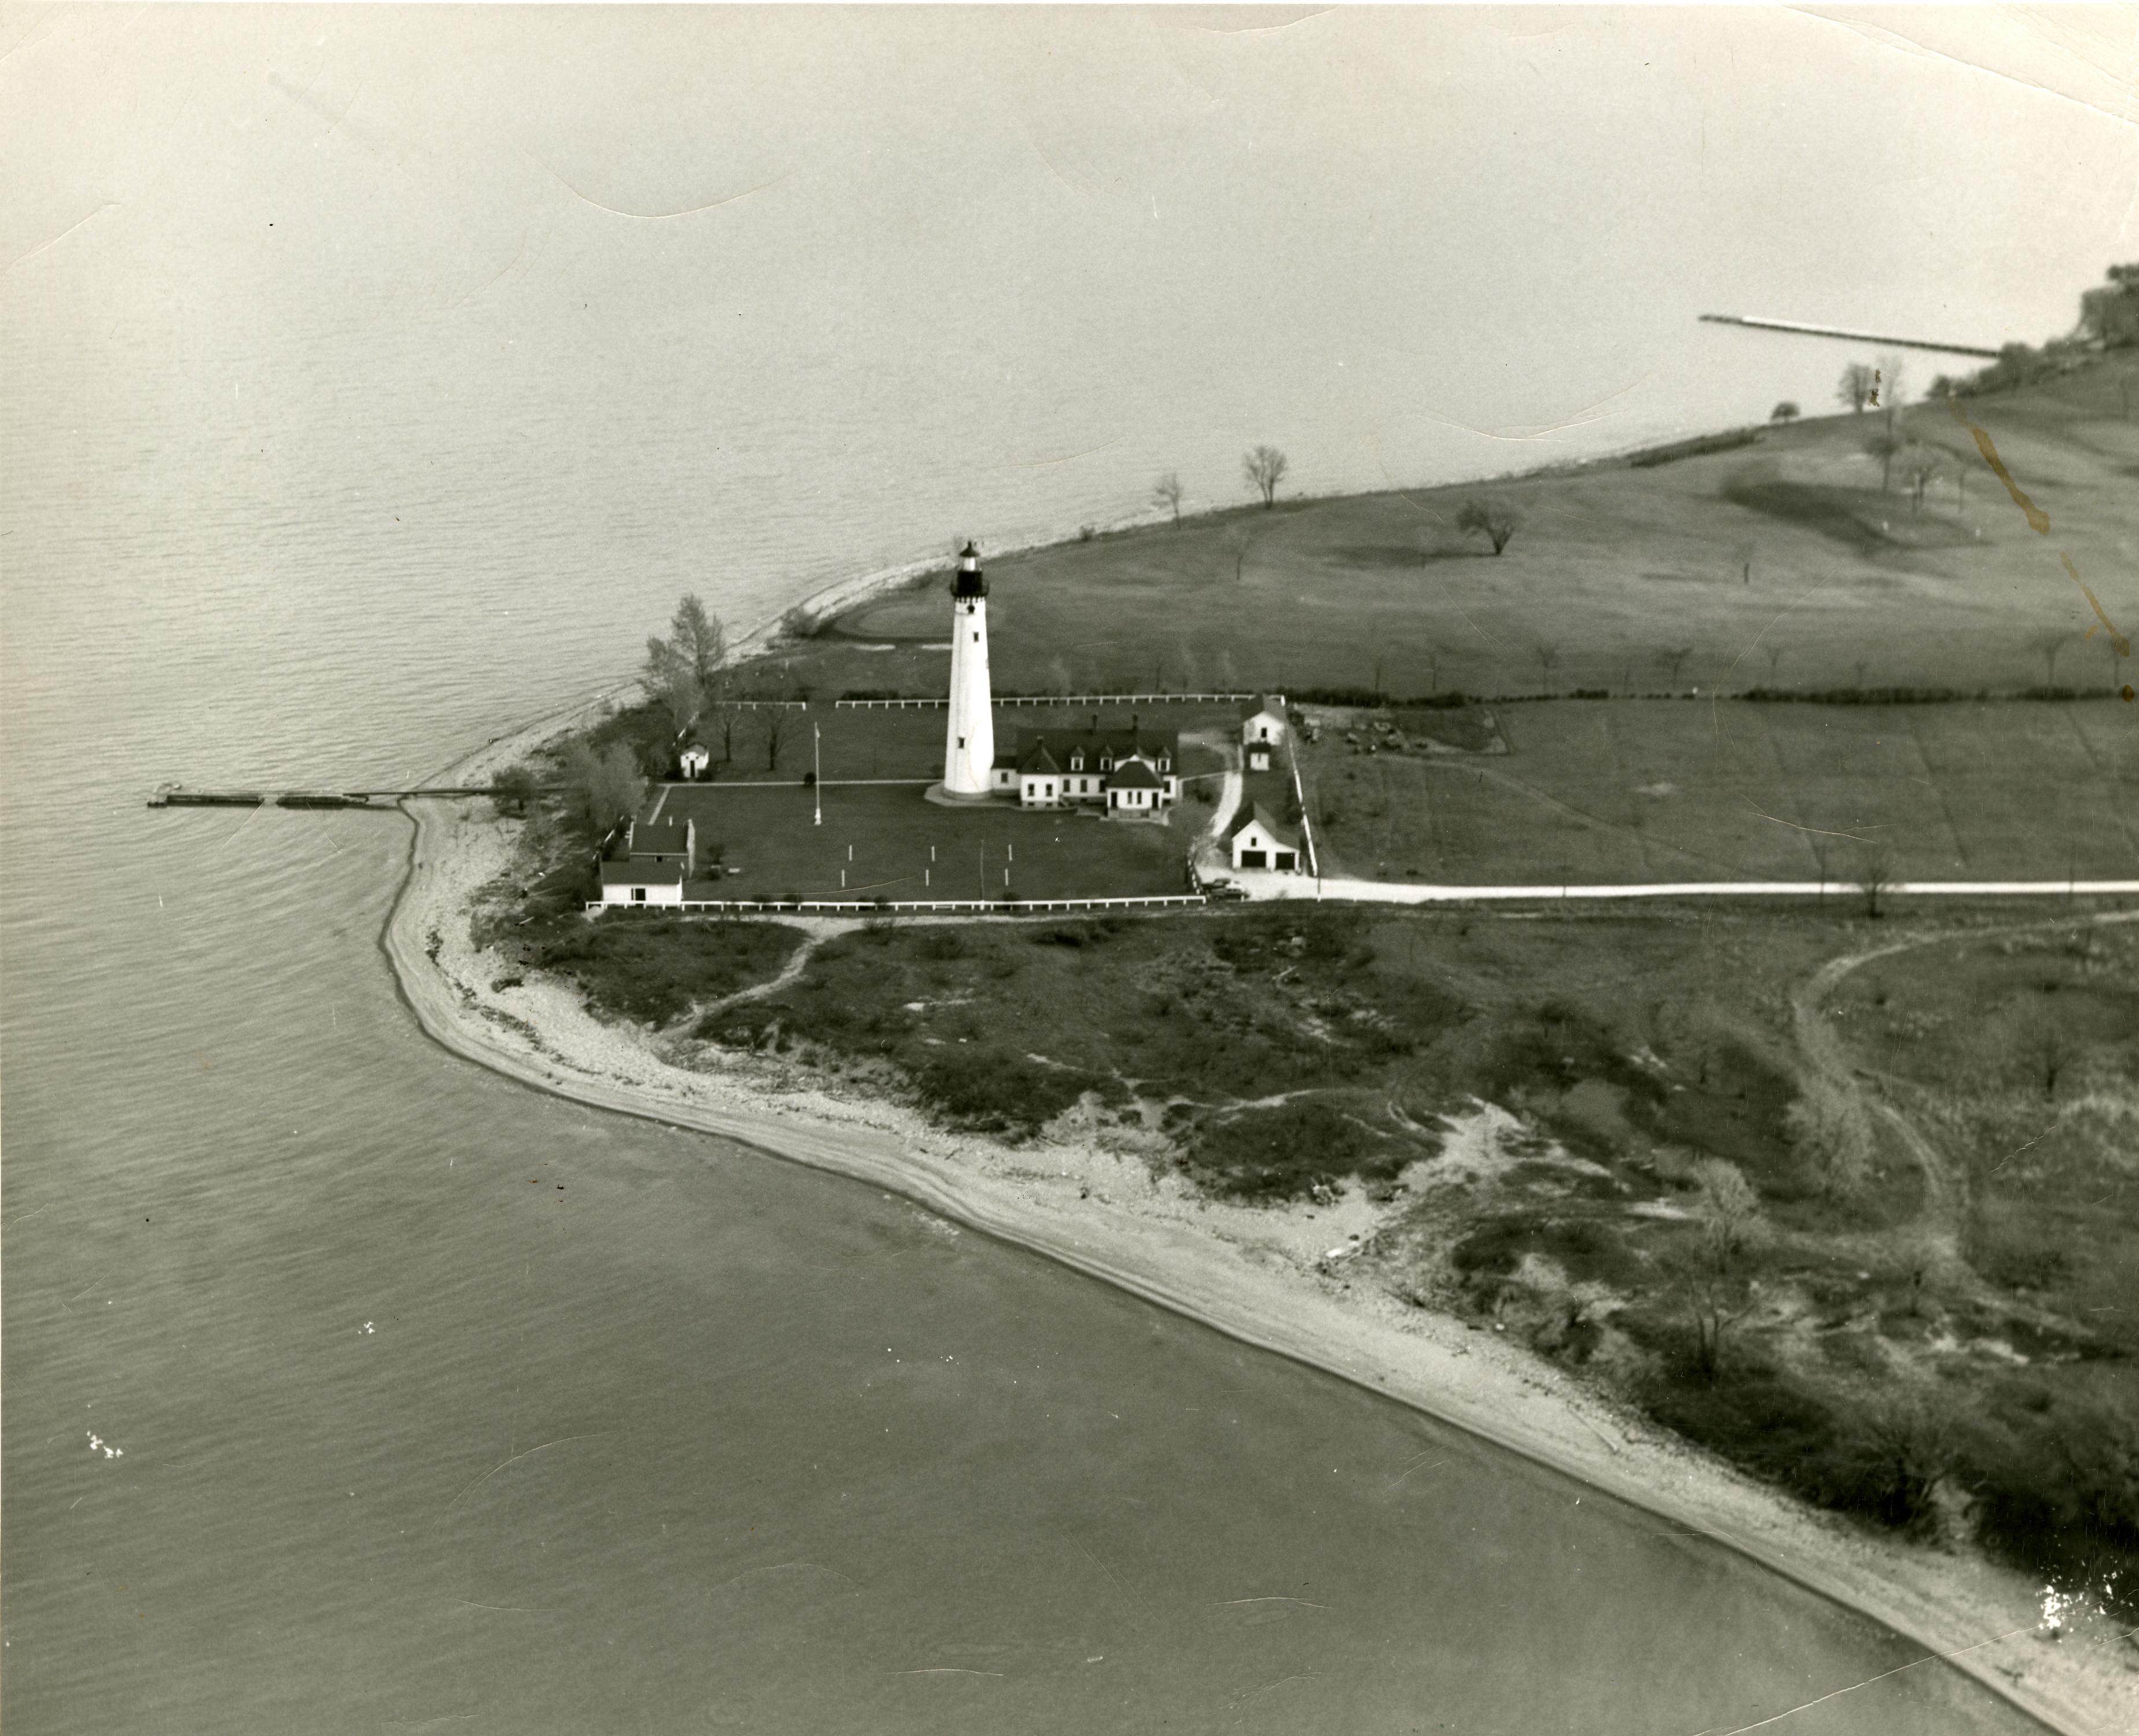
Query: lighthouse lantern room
[969, 740]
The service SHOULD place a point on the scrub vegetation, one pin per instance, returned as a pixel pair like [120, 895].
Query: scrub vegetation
[1759, 1175]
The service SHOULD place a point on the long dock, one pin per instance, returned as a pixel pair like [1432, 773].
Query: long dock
[179, 796]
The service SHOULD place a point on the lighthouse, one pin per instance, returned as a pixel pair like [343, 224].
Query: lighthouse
[969, 739]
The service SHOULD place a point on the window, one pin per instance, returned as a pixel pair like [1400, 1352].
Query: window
[638, 895]
[961, 741]
[976, 638]
[1251, 858]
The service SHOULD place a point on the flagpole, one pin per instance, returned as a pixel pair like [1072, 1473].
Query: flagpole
[817, 770]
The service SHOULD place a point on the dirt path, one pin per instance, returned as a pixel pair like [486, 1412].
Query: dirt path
[1946, 1193]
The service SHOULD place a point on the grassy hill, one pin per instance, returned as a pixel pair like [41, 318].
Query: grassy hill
[1782, 562]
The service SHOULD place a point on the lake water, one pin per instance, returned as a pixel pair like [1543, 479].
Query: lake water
[352, 1387]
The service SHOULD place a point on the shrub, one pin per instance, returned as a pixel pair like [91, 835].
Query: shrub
[2058, 1495]
[1886, 1466]
[1281, 1153]
[654, 968]
[1832, 1133]
[997, 1090]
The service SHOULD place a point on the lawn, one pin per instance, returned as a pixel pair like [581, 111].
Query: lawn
[885, 842]
[1780, 564]
[1618, 790]
[858, 744]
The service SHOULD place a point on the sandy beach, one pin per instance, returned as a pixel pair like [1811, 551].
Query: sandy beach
[1275, 1278]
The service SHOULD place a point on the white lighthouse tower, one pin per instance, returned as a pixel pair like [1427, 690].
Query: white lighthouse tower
[969, 739]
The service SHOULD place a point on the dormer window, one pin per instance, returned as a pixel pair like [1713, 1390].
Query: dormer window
[1077, 761]
[1106, 762]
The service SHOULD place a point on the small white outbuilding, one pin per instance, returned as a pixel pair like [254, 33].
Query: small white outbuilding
[1262, 731]
[694, 760]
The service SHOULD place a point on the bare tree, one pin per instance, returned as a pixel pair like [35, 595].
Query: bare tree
[1489, 518]
[1728, 1208]
[774, 723]
[1265, 469]
[728, 714]
[680, 698]
[1786, 411]
[1672, 658]
[1885, 445]
[1058, 677]
[1547, 656]
[1921, 466]
[1166, 492]
[1238, 542]
[1775, 659]
[1874, 877]
[1887, 379]
[1858, 383]
[601, 790]
[662, 666]
[2048, 645]
[698, 638]
[1184, 661]
[1706, 1299]
[1831, 1132]
[2048, 1050]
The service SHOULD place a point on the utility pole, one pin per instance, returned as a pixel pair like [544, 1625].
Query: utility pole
[817, 775]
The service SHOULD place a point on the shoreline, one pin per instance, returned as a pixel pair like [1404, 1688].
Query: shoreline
[1254, 1275]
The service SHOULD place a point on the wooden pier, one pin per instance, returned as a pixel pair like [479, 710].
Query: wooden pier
[179, 796]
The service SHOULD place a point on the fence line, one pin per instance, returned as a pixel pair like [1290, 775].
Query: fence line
[1299, 795]
[951, 906]
[1037, 701]
[757, 705]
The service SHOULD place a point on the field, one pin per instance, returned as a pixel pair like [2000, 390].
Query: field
[1781, 563]
[1663, 790]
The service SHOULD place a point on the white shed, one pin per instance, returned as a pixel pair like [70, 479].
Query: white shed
[694, 760]
[642, 880]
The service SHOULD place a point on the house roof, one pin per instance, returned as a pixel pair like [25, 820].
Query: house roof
[660, 837]
[1270, 707]
[641, 871]
[1134, 774]
[1036, 760]
[1115, 744]
[1279, 832]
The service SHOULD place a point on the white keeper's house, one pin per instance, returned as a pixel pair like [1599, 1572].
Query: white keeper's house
[1132, 773]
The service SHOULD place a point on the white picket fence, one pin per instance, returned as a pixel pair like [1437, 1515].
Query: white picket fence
[1028, 701]
[936, 906]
